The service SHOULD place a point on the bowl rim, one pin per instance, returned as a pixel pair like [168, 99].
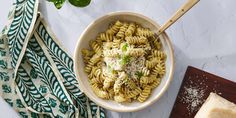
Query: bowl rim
[169, 44]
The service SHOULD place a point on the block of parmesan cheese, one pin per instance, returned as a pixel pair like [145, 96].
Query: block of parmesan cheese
[216, 107]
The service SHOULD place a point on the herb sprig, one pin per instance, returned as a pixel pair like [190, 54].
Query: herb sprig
[124, 47]
[125, 59]
[139, 74]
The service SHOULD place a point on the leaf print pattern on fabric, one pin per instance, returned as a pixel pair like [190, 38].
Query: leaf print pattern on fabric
[23, 114]
[34, 115]
[4, 76]
[52, 102]
[2, 41]
[44, 71]
[61, 60]
[63, 109]
[70, 82]
[33, 74]
[59, 56]
[24, 18]
[6, 89]
[58, 116]
[24, 59]
[95, 109]
[43, 89]
[31, 95]
[3, 64]
[9, 101]
[19, 103]
[3, 53]
[42, 79]
[54, 47]
[35, 46]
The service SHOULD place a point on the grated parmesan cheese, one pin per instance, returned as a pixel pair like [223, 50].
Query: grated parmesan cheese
[193, 97]
[133, 66]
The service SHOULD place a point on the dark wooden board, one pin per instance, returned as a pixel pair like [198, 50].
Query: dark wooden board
[205, 81]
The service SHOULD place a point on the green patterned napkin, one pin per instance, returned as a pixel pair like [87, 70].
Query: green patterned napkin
[36, 75]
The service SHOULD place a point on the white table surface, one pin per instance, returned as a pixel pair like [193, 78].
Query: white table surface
[205, 38]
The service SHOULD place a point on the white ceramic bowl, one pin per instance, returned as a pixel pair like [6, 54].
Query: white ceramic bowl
[100, 25]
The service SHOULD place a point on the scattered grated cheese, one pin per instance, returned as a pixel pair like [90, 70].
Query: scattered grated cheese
[193, 97]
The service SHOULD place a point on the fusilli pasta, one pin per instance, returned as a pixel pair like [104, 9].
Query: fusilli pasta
[144, 94]
[144, 32]
[115, 28]
[130, 30]
[121, 33]
[125, 63]
[136, 40]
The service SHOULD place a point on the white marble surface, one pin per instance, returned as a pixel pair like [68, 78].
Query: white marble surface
[205, 38]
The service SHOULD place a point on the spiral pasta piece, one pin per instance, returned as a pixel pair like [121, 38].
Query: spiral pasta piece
[144, 94]
[156, 53]
[136, 52]
[96, 47]
[145, 71]
[130, 83]
[91, 74]
[87, 54]
[155, 83]
[99, 63]
[145, 46]
[121, 33]
[108, 82]
[96, 72]
[88, 68]
[99, 92]
[153, 62]
[119, 82]
[106, 37]
[157, 43]
[134, 93]
[159, 70]
[115, 28]
[130, 30]
[86, 59]
[144, 32]
[96, 75]
[107, 45]
[136, 40]
[116, 43]
[111, 94]
[97, 80]
[96, 58]
[111, 53]
[120, 98]
[147, 80]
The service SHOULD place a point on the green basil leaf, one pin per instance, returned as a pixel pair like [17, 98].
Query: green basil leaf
[125, 59]
[124, 47]
[80, 3]
[139, 74]
[58, 3]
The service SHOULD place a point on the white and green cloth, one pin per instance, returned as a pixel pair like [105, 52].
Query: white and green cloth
[36, 75]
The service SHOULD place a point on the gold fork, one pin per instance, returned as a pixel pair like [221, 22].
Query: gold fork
[180, 12]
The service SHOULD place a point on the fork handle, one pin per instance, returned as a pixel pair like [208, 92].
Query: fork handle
[181, 11]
